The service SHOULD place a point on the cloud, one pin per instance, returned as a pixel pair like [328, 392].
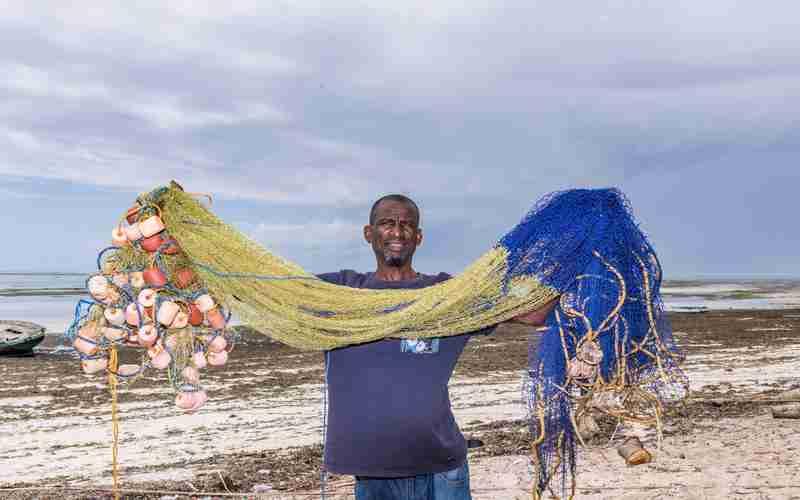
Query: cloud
[316, 245]
[167, 113]
[428, 97]
[313, 235]
[14, 194]
[475, 109]
[36, 82]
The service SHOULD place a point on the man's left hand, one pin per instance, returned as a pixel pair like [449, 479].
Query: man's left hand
[538, 316]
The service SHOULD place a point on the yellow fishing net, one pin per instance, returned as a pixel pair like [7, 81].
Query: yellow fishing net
[279, 298]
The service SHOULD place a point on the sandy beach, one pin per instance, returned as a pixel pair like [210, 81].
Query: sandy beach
[260, 433]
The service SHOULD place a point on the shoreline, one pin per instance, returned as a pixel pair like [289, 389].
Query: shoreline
[791, 310]
[38, 298]
[41, 292]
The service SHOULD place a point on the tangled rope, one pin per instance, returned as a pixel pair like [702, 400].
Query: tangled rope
[177, 272]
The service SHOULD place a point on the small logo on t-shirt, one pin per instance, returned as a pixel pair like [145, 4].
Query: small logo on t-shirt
[420, 346]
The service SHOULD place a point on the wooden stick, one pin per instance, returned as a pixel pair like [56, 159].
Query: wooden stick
[721, 401]
[786, 411]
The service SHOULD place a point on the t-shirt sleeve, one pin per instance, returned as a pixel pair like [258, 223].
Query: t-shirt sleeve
[484, 331]
[332, 278]
[345, 277]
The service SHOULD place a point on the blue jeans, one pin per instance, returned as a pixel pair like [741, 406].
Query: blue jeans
[450, 485]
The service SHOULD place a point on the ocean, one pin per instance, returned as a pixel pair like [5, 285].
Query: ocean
[49, 298]
[45, 298]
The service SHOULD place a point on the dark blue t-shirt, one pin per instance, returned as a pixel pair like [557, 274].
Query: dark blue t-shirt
[389, 407]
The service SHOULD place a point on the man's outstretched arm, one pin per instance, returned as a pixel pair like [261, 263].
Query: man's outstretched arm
[536, 317]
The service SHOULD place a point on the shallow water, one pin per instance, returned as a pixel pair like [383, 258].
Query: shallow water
[55, 312]
[690, 303]
[41, 280]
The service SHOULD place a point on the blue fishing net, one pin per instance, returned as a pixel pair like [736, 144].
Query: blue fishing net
[608, 334]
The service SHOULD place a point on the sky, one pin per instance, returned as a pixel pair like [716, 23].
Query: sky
[296, 115]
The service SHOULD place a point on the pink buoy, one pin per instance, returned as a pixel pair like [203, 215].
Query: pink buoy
[98, 286]
[154, 277]
[162, 360]
[148, 334]
[147, 297]
[215, 319]
[120, 279]
[111, 297]
[184, 277]
[114, 316]
[132, 214]
[190, 401]
[118, 237]
[167, 311]
[128, 370]
[195, 315]
[132, 316]
[590, 352]
[84, 342]
[204, 302]
[85, 346]
[191, 375]
[181, 320]
[154, 350]
[580, 369]
[114, 334]
[133, 232]
[200, 398]
[199, 360]
[90, 366]
[151, 225]
[137, 279]
[152, 243]
[217, 358]
[184, 400]
[217, 344]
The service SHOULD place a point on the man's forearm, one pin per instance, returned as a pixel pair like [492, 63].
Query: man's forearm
[537, 317]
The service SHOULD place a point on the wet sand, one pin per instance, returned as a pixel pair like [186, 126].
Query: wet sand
[262, 427]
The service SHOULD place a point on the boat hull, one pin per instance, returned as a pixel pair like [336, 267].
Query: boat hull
[18, 338]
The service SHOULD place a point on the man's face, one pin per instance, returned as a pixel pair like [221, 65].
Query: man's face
[395, 234]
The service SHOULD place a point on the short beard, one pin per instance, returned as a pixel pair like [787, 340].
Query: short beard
[395, 261]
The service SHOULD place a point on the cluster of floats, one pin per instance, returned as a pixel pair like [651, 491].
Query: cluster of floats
[145, 295]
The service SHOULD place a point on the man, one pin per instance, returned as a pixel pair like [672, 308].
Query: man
[389, 418]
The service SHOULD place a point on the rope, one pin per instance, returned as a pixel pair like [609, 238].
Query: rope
[113, 363]
[276, 296]
[608, 347]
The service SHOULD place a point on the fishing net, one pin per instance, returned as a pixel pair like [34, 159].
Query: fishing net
[608, 346]
[177, 272]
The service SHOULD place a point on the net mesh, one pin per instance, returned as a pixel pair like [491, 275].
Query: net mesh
[277, 297]
[607, 347]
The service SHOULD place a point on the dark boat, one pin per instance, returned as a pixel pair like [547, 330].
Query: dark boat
[18, 338]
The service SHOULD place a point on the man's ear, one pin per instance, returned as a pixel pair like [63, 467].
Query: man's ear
[368, 233]
[419, 236]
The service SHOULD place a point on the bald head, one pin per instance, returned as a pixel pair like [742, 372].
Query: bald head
[396, 198]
